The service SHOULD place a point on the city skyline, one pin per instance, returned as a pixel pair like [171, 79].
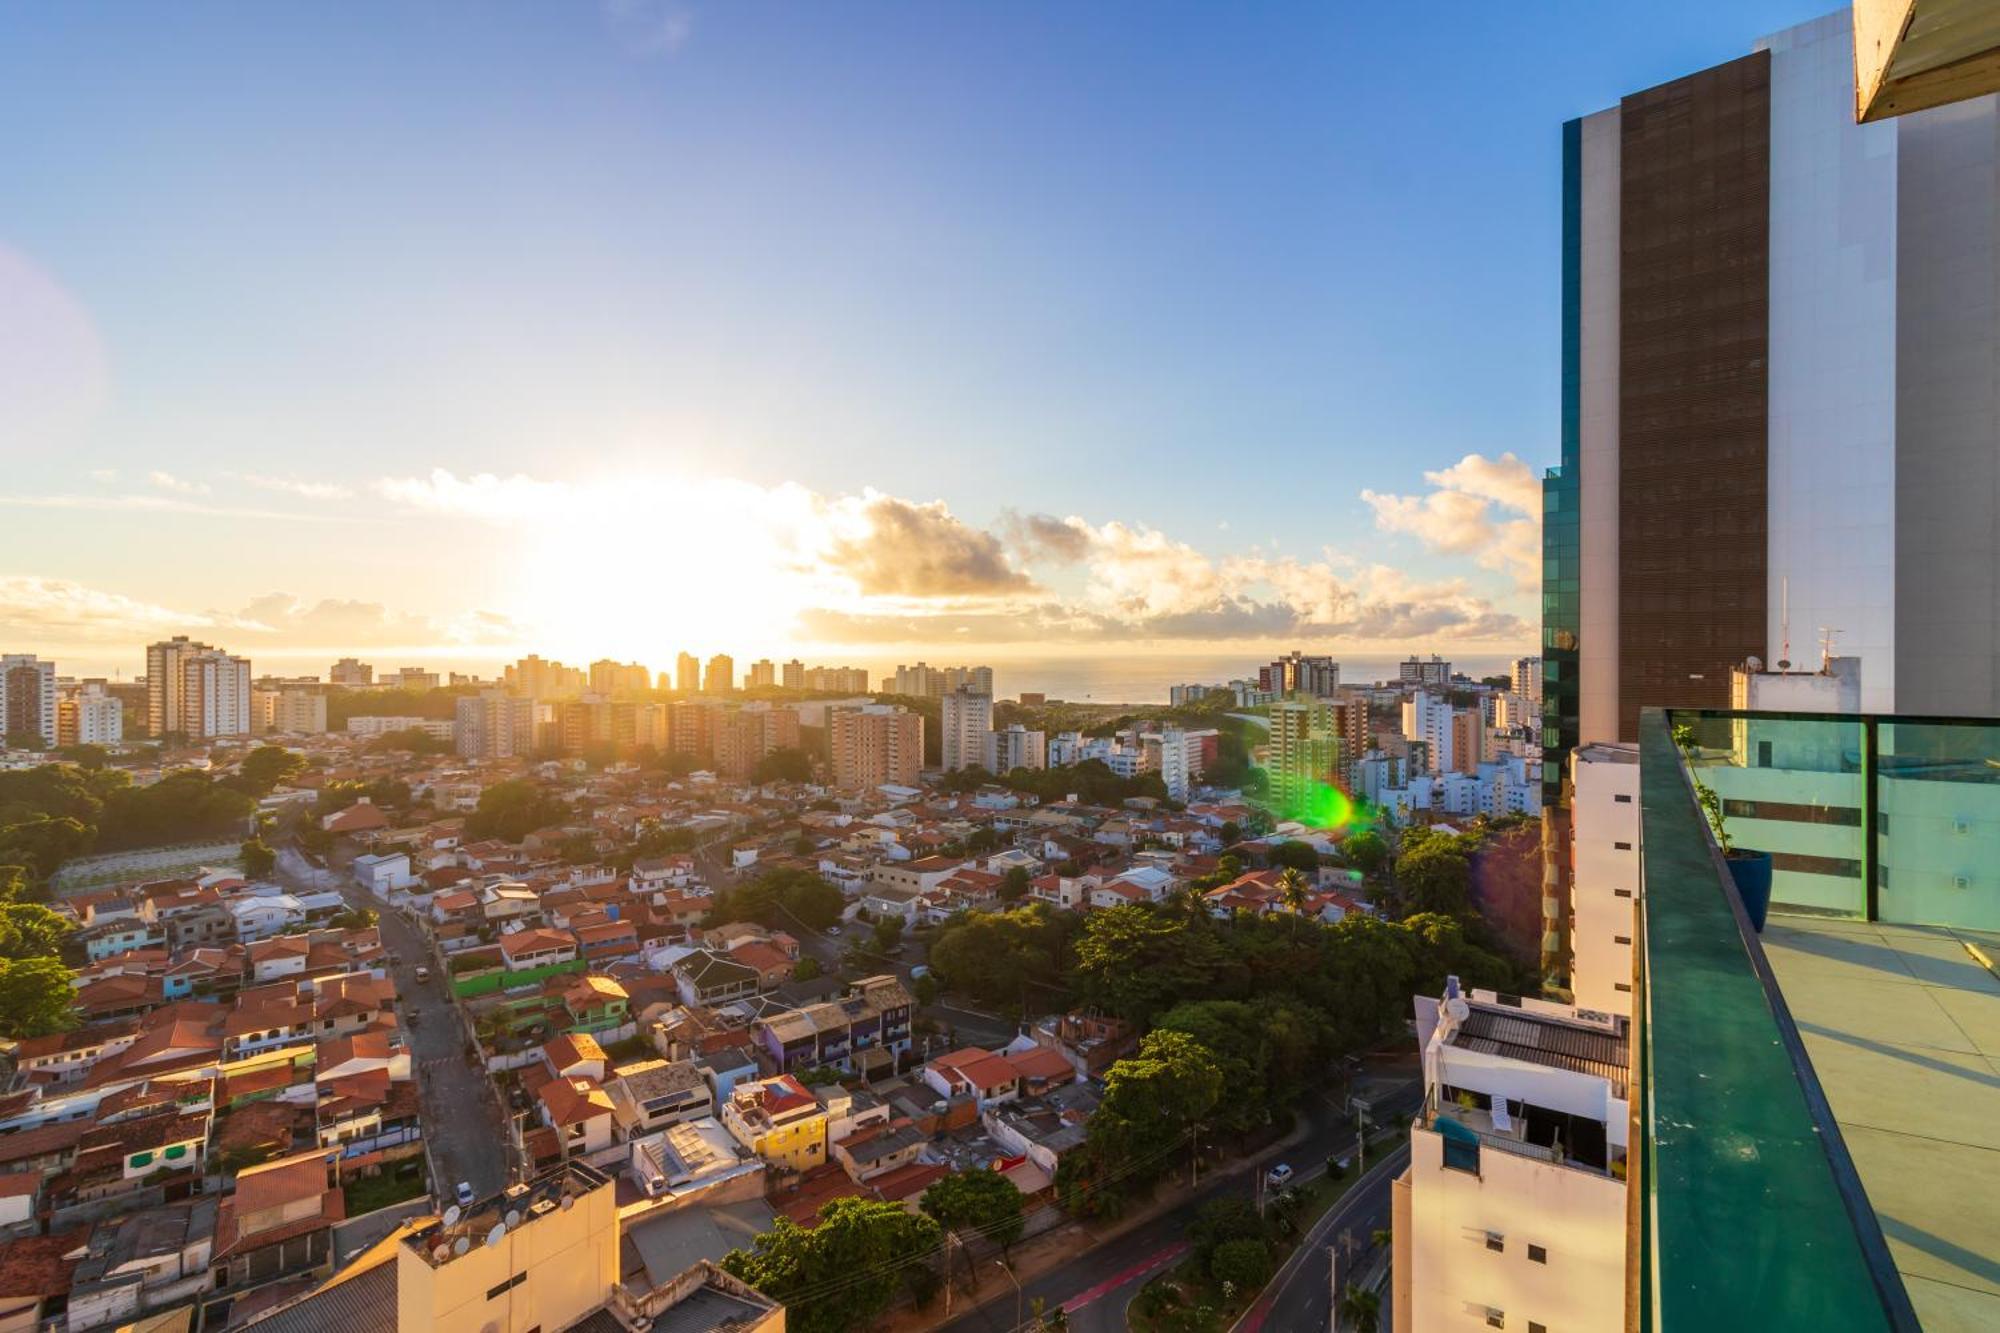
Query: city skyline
[1021, 417]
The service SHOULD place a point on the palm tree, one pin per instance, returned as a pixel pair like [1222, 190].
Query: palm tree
[1292, 893]
[1363, 1309]
[1382, 1237]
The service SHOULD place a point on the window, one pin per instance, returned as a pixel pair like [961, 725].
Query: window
[504, 1287]
[1534, 1327]
[1496, 1242]
[1496, 1319]
[1622, 893]
[1621, 939]
[1621, 986]
[142, 1159]
[1537, 1254]
[1622, 846]
[1623, 798]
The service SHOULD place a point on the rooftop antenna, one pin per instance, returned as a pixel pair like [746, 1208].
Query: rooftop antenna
[1826, 638]
[1785, 622]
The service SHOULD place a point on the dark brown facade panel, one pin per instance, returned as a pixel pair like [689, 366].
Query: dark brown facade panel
[1694, 273]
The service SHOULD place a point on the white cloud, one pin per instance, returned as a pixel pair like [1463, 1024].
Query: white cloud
[167, 481]
[309, 490]
[165, 504]
[1467, 515]
[649, 28]
[481, 496]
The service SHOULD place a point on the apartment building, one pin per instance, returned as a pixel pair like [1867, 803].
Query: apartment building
[720, 676]
[1304, 753]
[494, 724]
[288, 710]
[215, 695]
[1604, 875]
[28, 698]
[965, 717]
[89, 714]
[875, 744]
[1015, 747]
[687, 673]
[1511, 1213]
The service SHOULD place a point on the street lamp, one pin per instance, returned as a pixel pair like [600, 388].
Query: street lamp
[1001, 1264]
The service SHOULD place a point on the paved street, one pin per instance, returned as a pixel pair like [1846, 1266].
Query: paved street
[1299, 1297]
[464, 1127]
[1096, 1287]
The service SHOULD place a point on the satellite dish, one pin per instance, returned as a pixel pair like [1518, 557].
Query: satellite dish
[441, 1253]
[461, 1245]
[497, 1234]
[569, 1202]
[513, 1218]
[451, 1215]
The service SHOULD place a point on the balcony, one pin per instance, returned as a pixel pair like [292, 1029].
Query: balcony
[1816, 1138]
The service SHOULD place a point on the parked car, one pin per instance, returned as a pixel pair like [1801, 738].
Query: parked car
[1278, 1176]
[832, 931]
[465, 1195]
[423, 974]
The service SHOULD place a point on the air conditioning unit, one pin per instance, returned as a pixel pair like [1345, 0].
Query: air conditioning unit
[1961, 881]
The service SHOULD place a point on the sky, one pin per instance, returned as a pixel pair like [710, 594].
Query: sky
[448, 331]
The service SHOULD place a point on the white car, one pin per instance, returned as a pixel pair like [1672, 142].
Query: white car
[1278, 1176]
[465, 1195]
[832, 931]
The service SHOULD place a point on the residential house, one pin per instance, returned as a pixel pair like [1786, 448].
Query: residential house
[537, 947]
[279, 1221]
[779, 1120]
[652, 1094]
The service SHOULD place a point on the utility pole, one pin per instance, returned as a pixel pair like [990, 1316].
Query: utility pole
[947, 1275]
[1332, 1290]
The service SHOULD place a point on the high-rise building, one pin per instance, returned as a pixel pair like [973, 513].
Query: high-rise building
[875, 744]
[749, 734]
[1012, 747]
[214, 695]
[1298, 673]
[89, 714]
[691, 728]
[763, 674]
[494, 724]
[924, 681]
[301, 710]
[28, 698]
[1304, 753]
[594, 722]
[534, 678]
[622, 680]
[687, 673]
[965, 716]
[351, 673]
[1416, 671]
[720, 678]
[1779, 342]
[795, 675]
[1527, 674]
[411, 678]
[164, 679]
[837, 680]
[1427, 719]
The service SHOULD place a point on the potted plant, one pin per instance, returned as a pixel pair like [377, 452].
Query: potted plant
[1749, 870]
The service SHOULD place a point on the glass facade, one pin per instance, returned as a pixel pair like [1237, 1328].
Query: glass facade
[1561, 519]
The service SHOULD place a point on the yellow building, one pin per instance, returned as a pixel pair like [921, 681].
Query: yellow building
[779, 1120]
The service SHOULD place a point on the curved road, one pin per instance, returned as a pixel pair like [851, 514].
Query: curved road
[1094, 1288]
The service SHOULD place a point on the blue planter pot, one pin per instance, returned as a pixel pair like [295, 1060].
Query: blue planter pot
[1752, 873]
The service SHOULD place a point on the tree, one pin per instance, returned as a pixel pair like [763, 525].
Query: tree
[984, 1202]
[43, 843]
[1231, 833]
[1152, 1103]
[784, 764]
[355, 918]
[925, 990]
[982, 840]
[1361, 1308]
[1297, 855]
[1365, 851]
[1231, 1217]
[86, 756]
[889, 934]
[412, 740]
[843, 1272]
[1136, 962]
[257, 857]
[513, 809]
[1244, 1264]
[1434, 876]
[1292, 892]
[30, 930]
[1014, 885]
[806, 969]
[1003, 958]
[783, 899]
[36, 995]
[269, 766]
[26, 740]
[578, 849]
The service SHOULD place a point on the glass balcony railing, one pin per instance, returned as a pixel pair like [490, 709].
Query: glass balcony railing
[1748, 1210]
[1878, 818]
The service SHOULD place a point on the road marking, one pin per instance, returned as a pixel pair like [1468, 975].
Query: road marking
[1132, 1274]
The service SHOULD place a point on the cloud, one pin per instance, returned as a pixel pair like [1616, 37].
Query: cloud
[482, 496]
[167, 481]
[921, 550]
[649, 28]
[1045, 537]
[336, 622]
[167, 504]
[37, 611]
[1467, 515]
[309, 490]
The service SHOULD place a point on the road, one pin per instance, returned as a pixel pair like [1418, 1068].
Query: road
[1095, 1287]
[465, 1131]
[1299, 1298]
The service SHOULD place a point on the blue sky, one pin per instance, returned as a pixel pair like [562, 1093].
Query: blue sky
[697, 283]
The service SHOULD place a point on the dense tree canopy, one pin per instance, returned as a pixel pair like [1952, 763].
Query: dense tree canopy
[1152, 1104]
[785, 764]
[36, 995]
[268, 767]
[513, 809]
[981, 1202]
[1433, 874]
[258, 859]
[781, 899]
[30, 930]
[996, 958]
[844, 1272]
